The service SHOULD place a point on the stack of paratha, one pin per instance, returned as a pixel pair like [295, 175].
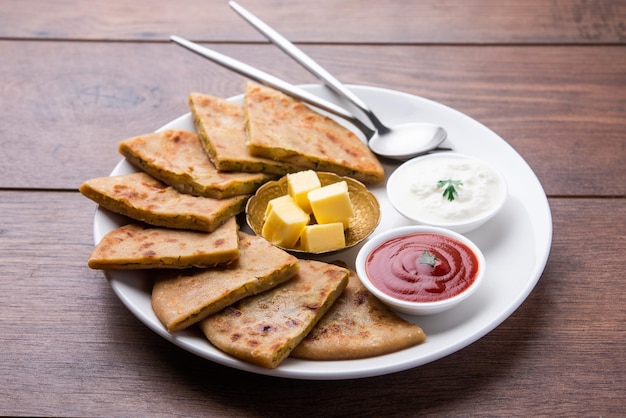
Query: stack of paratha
[274, 133]
[250, 298]
[178, 159]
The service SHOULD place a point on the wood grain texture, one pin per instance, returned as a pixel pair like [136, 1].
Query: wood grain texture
[328, 21]
[77, 77]
[59, 130]
[70, 348]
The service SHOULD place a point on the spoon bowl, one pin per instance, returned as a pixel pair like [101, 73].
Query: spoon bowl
[407, 140]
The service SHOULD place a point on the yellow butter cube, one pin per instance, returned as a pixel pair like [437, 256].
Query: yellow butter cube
[331, 203]
[300, 184]
[277, 201]
[323, 237]
[284, 224]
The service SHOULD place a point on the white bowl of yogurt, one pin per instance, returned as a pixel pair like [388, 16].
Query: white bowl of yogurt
[448, 190]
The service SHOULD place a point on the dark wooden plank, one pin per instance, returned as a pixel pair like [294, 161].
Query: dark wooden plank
[358, 21]
[70, 348]
[65, 106]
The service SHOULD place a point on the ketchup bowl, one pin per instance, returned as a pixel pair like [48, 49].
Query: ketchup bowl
[420, 270]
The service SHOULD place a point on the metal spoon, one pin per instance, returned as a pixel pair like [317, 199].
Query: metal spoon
[274, 82]
[400, 142]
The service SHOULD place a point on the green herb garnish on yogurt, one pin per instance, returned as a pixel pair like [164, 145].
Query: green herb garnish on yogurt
[450, 191]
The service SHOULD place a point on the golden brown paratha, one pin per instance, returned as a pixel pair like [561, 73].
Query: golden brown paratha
[138, 246]
[358, 326]
[284, 129]
[183, 297]
[143, 198]
[178, 159]
[221, 126]
[263, 329]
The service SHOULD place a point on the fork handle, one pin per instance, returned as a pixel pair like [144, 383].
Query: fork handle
[306, 61]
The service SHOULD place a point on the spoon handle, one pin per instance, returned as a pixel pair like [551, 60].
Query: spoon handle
[274, 82]
[307, 62]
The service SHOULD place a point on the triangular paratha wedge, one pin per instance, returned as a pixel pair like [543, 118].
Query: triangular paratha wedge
[142, 197]
[263, 329]
[181, 298]
[221, 126]
[284, 129]
[177, 158]
[358, 326]
[138, 246]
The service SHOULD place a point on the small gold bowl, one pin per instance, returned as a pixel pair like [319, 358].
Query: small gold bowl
[365, 205]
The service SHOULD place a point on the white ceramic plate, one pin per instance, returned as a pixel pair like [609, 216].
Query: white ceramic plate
[516, 244]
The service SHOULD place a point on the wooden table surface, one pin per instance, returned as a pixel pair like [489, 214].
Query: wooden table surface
[549, 76]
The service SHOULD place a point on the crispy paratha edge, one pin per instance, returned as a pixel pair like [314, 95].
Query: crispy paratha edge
[98, 260]
[261, 284]
[173, 221]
